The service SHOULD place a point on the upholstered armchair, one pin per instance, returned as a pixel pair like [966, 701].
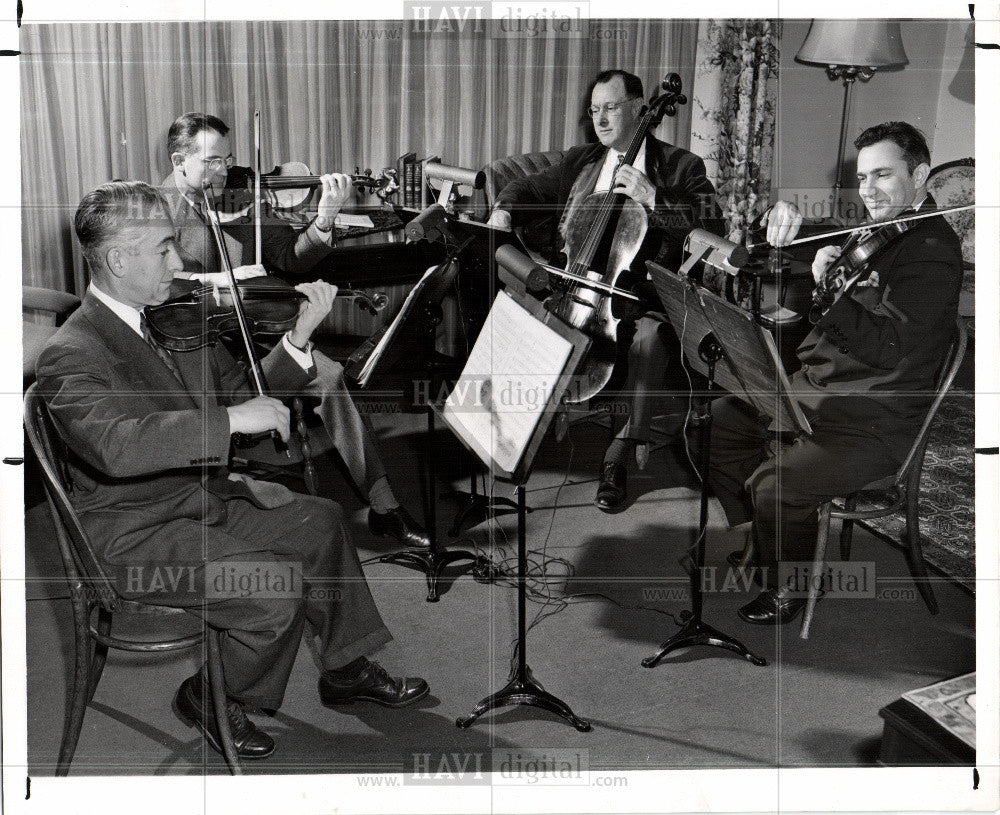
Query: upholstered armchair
[954, 184]
[537, 233]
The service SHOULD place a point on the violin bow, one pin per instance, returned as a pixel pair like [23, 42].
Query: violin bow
[751, 247]
[255, 369]
[257, 251]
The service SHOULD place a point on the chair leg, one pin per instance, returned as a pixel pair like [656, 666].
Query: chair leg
[815, 574]
[217, 684]
[847, 529]
[81, 680]
[914, 551]
[100, 653]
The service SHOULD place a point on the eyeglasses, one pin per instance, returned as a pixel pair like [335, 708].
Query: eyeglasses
[216, 164]
[610, 107]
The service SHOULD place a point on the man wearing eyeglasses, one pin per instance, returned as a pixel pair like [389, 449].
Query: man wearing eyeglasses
[670, 183]
[201, 155]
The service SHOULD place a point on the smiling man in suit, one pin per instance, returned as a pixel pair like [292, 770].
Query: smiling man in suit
[150, 432]
[670, 183]
[868, 375]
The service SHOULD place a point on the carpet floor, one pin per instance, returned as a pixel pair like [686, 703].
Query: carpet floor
[608, 589]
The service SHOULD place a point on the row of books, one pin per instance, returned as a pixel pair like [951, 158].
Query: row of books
[411, 180]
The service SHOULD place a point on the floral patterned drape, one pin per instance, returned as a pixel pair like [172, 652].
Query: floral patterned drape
[734, 111]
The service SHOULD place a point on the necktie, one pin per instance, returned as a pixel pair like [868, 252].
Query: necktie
[161, 352]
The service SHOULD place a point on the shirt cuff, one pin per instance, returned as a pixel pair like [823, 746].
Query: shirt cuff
[321, 238]
[302, 356]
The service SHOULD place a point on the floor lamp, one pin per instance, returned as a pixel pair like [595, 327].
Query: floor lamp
[851, 50]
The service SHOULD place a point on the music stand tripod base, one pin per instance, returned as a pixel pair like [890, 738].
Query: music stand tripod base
[432, 561]
[525, 690]
[695, 631]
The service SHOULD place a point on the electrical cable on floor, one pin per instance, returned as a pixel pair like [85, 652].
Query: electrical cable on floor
[539, 572]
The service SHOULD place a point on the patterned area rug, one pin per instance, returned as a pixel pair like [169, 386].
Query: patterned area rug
[947, 494]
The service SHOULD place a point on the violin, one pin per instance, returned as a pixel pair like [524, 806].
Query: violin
[853, 258]
[194, 318]
[287, 188]
[608, 228]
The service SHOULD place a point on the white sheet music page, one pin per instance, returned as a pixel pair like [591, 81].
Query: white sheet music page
[507, 382]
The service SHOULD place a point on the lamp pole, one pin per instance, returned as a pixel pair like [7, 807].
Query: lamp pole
[849, 74]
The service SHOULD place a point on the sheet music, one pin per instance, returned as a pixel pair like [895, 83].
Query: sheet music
[507, 382]
[344, 220]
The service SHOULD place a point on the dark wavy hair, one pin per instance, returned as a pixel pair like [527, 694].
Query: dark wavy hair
[910, 140]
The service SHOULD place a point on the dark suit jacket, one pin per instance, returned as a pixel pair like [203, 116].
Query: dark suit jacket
[147, 449]
[283, 249]
[685, 198]
[871, 361]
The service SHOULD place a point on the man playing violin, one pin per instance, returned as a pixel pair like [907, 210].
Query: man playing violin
[868, 370]
[670, 183]
[150, 432]
[201, 156]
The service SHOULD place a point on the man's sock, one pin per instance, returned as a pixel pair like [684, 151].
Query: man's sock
[352, 670]
[380, 496]
[619, 451]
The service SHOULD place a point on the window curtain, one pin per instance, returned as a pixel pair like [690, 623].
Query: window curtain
[97, 101]
[736, 79]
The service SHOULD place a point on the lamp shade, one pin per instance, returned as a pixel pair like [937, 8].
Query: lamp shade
[871, 43]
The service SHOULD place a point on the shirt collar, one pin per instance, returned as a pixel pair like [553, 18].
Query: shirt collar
[128, 314]
[640, 159]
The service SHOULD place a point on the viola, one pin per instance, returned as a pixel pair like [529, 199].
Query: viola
[194, 319]
[287, 188]
[603, 236]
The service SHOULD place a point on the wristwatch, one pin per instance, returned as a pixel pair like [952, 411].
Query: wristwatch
[328, 229]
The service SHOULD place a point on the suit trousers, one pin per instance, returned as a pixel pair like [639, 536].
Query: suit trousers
[260, 576]
[780, 483]
[350, 432]
[654, 346]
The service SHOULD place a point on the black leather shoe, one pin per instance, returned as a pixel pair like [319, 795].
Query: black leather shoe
[250, 742]
[373, 684]
[397, 523]
[772, 607]
[613, 487]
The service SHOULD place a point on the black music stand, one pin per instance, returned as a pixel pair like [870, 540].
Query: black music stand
[415, 325]
[726, 344]
[514, 465]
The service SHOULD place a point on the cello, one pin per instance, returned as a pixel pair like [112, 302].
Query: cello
[602, 237]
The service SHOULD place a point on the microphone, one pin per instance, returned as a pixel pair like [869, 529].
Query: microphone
[723, 252]
[457, 175]
[428, 225]
[533, 276]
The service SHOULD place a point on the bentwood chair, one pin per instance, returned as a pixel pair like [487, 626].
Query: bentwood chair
[902, 490]
[92, 590]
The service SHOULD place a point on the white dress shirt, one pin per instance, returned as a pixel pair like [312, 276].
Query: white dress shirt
[611, 164]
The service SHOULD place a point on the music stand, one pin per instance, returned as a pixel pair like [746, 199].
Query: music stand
[517, 327]
[728, 346]
[415, 324]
